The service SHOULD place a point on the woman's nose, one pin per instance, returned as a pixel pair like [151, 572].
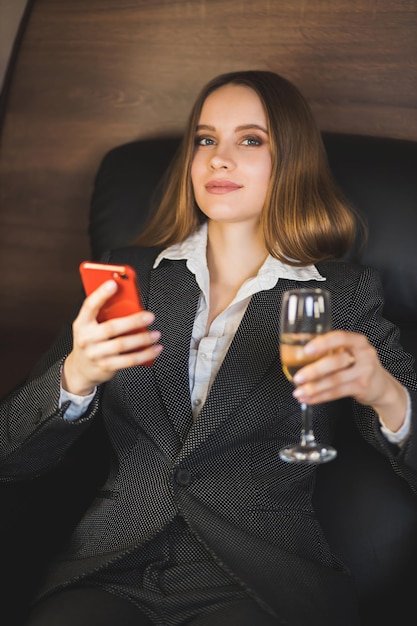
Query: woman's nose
[221, 160]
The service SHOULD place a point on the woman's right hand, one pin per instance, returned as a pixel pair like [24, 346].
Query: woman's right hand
[101, 349]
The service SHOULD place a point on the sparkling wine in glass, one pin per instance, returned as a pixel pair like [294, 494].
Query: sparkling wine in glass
[305, 314]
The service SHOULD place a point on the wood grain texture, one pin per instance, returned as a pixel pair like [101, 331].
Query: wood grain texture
[91, 75]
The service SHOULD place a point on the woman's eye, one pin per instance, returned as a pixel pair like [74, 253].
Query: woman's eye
[252, 141]
[204, 141]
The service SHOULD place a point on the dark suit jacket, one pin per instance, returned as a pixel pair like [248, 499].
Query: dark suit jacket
[252, 511]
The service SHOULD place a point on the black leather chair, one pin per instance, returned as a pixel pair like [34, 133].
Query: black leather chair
[369, 514]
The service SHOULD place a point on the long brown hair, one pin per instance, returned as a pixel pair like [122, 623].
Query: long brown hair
[305, 218]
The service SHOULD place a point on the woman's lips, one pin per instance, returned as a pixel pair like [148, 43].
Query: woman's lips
[219, 187]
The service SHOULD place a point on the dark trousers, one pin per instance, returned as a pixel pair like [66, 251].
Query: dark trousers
[96, 607]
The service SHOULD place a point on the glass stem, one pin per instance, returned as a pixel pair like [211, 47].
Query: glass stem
[307, 435]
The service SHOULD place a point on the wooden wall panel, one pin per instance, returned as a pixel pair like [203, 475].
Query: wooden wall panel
[91, 75]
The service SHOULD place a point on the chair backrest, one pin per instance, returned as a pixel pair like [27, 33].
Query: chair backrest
[368, 513]
[378, 175]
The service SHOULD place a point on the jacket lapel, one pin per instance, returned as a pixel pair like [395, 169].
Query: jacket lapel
[253, 350]
[173, 297]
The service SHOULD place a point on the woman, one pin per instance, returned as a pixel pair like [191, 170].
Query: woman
[199, 521]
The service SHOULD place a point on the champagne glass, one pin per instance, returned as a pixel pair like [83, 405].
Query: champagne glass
[305, 314]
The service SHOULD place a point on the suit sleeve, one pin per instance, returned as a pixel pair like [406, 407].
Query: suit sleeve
[366, 317]
[34, 436]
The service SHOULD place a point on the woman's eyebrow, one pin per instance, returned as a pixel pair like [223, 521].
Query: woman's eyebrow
[251, 126]
[238, 128]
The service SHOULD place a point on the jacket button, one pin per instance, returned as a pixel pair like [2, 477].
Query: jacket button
[183, 477]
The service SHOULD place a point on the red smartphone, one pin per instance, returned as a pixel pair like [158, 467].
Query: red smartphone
[125, 301]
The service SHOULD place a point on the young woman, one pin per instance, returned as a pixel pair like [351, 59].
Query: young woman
[199, 521]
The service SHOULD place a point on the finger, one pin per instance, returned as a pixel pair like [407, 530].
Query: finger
[335, 341]
[331, 387]
[116, 362]
[354, 381]
[328, 364]
[312, 395]
[94, 302]
[137, 322]
[124, 343]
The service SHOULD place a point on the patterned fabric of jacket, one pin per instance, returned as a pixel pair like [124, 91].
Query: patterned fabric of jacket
[222, 474]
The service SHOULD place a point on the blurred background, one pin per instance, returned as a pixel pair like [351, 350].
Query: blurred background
[11, 14]
[80, 77]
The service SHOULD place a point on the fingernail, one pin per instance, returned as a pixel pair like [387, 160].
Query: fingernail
[110, 285]
[298, 378]
[148, 317]
[309, 348]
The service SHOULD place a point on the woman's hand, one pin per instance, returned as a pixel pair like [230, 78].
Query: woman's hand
[101, 349]
[348, 365]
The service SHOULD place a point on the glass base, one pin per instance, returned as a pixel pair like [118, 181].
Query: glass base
[309, 453]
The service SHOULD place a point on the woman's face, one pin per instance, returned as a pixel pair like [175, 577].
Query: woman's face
[231, 168]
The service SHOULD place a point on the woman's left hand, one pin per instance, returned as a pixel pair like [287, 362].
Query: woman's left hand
[348, 365]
